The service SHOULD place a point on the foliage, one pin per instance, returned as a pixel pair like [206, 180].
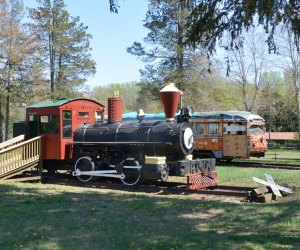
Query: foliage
[19, 66]
[210, 19]
[277, 103]
[164, 52]
[246, 64]
[128, 92]
[66, 46]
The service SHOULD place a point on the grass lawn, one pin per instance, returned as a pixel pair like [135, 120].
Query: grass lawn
[278, 156]
[40, 216]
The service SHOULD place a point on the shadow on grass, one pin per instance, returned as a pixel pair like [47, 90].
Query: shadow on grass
[35, 216]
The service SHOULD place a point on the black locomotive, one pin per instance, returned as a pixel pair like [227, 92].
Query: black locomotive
[136, 151]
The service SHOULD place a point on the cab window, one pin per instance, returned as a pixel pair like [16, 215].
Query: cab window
[83, 114]
[49, 124]
[44, 124]
[67, 123]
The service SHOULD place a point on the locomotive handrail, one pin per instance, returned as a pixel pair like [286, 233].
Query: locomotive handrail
[117, 142]
[20, 156]
[11, 142]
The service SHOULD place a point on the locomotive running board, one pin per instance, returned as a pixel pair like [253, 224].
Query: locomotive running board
[201, 180]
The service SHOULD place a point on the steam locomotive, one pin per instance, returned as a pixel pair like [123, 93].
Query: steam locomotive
[138, 151]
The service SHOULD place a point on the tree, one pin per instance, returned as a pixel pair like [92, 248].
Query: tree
[248, 62]
[211, 19]
[66, 46]
[17, 52]
[164, 51]
[167, 58]
[291, 66]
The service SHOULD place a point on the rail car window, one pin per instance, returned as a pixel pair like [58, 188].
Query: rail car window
[83, 114]
[67, 123]
[235, 129]
[213, 129]
[198, 129]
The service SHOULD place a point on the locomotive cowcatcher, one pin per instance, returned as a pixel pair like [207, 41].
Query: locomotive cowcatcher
[131, 152]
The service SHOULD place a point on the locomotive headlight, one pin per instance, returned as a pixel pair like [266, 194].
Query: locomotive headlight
[188, 138]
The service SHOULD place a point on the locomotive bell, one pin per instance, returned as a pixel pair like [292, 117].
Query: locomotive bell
[170, 96]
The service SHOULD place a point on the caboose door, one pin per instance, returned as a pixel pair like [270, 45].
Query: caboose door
[235, 142]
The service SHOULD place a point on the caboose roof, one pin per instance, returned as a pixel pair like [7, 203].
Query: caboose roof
[58, 103]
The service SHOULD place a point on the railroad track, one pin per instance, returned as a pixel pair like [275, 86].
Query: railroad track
[162, 188]
[262, 165]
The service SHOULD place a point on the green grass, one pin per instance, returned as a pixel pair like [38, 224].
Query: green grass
[243, 176]
[278, 156]
[40, 216]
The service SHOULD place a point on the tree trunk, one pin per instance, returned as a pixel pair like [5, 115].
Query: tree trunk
[1, 121]
[180, 48]
[52, 65]
[298, 106]
[7, 113]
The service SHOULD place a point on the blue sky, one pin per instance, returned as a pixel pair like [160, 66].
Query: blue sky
[112, 34]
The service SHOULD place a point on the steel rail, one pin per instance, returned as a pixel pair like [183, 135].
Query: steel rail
[148, 187]
[261, 165]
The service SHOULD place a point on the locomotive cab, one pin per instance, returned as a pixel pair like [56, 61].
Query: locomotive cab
[57, 121]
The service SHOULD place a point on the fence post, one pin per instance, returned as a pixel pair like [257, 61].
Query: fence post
[41, 155]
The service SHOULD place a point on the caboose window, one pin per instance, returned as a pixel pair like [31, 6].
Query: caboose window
[83, 114]
[67, 123]
[213, 129]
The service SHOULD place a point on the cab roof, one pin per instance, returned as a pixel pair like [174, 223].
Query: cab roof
[58, 103]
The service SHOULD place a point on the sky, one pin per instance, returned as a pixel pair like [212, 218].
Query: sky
[112, 34]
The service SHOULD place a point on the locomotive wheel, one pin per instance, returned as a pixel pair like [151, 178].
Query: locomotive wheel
[131, 170]
[85, 163]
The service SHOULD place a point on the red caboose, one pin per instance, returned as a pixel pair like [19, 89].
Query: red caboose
[57, 120]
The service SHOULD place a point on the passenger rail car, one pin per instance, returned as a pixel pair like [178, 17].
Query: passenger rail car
[224, 135]
[229, 134]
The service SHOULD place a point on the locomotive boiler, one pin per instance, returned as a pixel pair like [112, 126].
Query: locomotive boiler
[138, 151]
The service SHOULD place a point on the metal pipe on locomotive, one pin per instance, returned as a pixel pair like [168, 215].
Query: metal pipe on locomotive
[134, 152]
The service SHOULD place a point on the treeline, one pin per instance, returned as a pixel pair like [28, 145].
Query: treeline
[45, 54]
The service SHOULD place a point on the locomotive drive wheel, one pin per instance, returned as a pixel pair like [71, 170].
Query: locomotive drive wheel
[84, 163]
[131, 170]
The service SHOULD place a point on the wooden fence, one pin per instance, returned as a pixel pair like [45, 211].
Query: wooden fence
[18, 155]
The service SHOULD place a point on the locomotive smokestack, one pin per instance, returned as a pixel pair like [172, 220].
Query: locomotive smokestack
[114, 108]
[170, 96]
